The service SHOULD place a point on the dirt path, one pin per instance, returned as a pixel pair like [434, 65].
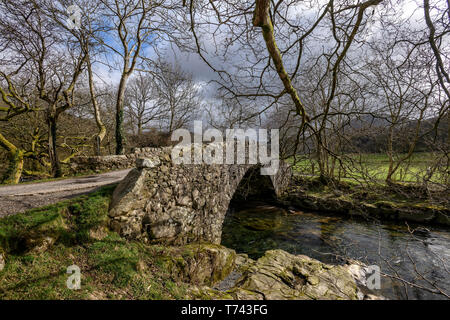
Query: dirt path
[21, 197]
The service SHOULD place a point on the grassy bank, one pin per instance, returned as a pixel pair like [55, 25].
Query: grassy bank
[39, 246]
[401, 203]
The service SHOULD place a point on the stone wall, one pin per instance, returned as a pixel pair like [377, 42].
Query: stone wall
[109, 163]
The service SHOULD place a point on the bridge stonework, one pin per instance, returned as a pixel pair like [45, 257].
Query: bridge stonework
[160, 201]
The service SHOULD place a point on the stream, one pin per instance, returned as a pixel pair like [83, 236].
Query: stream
[421, 257]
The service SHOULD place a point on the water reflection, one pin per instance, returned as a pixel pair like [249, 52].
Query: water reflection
[257, 227]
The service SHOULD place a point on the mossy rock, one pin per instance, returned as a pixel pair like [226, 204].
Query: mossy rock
[208, 293]
[430, 206]
[416, 215]
[259, 224]
[280, 275]
[199, 264]
[442, 218]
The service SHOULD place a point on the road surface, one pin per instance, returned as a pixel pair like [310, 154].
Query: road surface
[22, 197]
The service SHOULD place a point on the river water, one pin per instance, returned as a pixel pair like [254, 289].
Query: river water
[421, 257]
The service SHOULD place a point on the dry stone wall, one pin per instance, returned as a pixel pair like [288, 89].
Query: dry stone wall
[109, 163]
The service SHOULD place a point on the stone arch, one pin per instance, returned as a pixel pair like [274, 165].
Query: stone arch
[160, 201]
[254, 186]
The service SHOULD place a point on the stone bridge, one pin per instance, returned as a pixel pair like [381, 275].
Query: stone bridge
[160, 201]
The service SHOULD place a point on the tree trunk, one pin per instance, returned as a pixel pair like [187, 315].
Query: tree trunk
[15, 168]
[15, 157]
[52, 151]
[120, 138]
[320, 155]
[390, 152]
[261, 18]
[100, 125]
[139, 132]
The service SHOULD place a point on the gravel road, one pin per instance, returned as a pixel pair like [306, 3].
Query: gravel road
[21, 197]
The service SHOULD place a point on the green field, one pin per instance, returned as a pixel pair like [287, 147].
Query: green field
[374, 167]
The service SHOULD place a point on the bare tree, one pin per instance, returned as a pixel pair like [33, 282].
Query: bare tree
[178, 96]
[15, 103]
[133, 28]
[43, 49]
[85, 36]
[140, 102]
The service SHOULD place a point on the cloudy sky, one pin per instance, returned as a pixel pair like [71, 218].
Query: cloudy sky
[202, 73]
